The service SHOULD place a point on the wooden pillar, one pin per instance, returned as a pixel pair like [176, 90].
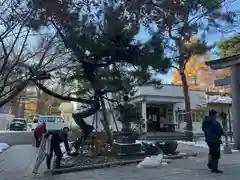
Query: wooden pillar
[235, 81]
[144, 113]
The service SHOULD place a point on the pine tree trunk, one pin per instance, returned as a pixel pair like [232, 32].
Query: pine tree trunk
[187, 107]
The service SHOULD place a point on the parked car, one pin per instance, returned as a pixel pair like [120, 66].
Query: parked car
[18, 124]
[53, 122]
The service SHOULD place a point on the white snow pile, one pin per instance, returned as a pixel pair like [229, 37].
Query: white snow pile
[3, 146]
[219, 99]
[152, 162]
[201, 144]
[8, 131]
[147, 142]
[141, 142]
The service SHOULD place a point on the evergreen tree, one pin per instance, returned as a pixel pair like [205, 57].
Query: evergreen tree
[229, 46]
[106, 57]
[178, 21]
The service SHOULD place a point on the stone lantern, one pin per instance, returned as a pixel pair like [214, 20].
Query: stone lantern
[126, 141]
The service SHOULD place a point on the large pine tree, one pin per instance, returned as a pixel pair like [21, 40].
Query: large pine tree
[105, 54]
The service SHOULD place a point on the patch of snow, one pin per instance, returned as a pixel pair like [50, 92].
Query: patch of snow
[202, 144]
[141, 142]
[146, 142]
[8, 131]
[219, 99]
[3, 146]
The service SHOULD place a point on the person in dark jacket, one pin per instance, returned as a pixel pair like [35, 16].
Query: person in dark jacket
[58, 137]
[213, 132]
[38, 133]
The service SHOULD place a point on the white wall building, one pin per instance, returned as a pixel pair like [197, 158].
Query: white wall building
[158, 108]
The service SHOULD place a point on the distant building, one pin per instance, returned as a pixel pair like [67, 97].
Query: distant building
[6, 109]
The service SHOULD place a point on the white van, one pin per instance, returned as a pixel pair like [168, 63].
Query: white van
[52, 122]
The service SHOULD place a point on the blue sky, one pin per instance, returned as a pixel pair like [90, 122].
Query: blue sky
[211, 38]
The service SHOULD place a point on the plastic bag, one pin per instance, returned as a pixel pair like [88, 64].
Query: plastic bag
[151, 162]
[159, 157]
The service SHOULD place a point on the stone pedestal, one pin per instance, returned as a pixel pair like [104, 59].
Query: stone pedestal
[126, 149]
[126, 137]
[233, 145]
[126, 145]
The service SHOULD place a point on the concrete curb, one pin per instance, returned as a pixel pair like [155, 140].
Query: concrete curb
[180, 156]
[94, 166]
[3, 150]
[119, 163]
[203, 153]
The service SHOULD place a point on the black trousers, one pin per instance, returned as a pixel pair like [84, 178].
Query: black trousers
[214, 155]
[57, 150]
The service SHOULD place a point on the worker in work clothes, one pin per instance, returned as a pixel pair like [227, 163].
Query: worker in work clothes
[58, 137]
[38, 133]
[213, 132]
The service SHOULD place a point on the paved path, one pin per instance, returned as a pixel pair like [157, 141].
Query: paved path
[191, 169]
[16, 164]
[16, 138]
[189, 148]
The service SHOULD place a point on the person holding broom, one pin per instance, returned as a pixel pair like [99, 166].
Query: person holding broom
[38, 133]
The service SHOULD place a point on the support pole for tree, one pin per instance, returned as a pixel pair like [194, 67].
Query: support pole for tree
[105, 122]
[96, 121]
[114, 119]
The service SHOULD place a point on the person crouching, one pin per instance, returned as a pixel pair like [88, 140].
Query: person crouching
[58, 137]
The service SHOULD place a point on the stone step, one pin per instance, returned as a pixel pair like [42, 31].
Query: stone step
[160, 138]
